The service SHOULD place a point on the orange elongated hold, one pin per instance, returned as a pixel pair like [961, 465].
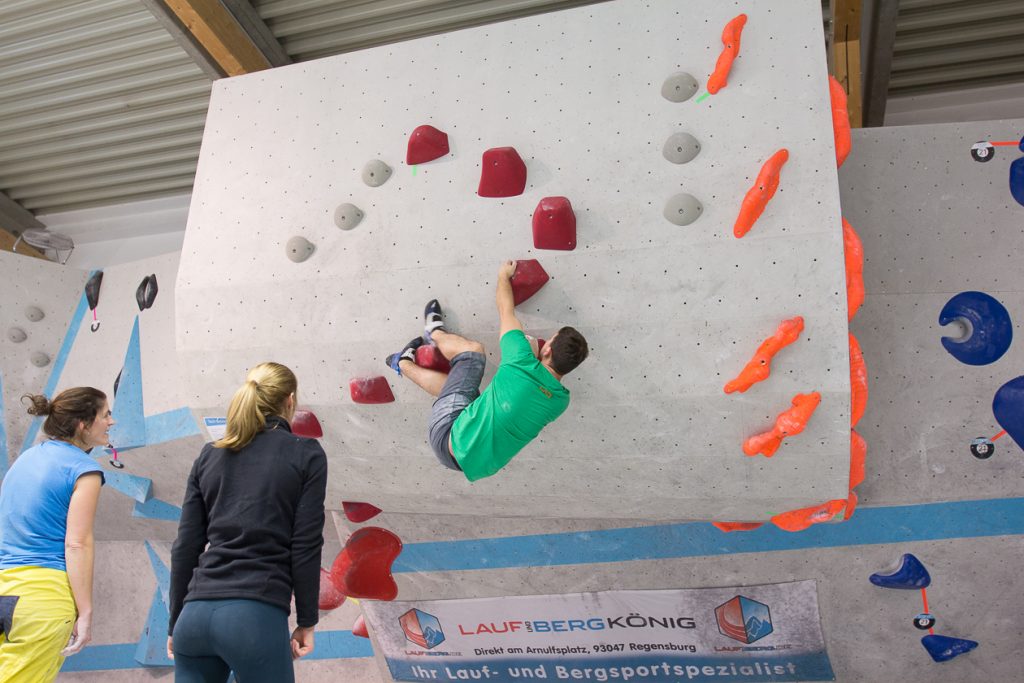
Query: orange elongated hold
[798, 520]
[761, 193]
[789, 423]
[737, 526]
[858, 382]
[858, 454]
[840, 120]
[854, 255]
[851, 505]
[730, 49]
[760, 366]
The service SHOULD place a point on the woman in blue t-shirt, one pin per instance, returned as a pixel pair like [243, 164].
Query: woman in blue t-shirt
[47, 505]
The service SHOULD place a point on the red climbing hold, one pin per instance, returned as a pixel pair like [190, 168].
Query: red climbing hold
[363, 567]
[359, 627]
[858, 454]
[370, 390]
[527, 280]
[304, 423]
[851, 505]
[790, 422]
[330, 596]
[359, 512]
[737, 526]
[730, 50]
[858, 382]
[853, 252]
[798, 520]
[503, 173]
[554, 224]
[426, 144]
[840, 120]
[430, 357]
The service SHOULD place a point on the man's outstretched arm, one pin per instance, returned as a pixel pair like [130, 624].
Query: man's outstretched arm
[505, 301]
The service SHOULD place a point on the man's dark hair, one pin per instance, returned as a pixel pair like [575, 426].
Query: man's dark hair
[568, 350]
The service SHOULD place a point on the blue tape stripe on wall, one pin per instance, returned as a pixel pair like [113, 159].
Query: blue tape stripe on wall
[329, 645]
[896, 524]
[58, 366]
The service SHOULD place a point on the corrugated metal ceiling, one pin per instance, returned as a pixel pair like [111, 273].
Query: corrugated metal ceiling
[102, 106]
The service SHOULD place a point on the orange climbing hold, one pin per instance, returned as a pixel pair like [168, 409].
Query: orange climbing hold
[370, 390]
[761, 193]
[730, 50]
[858, 454]
[854, 253]
[798, 520]
[760, 366]
[840, 120]
[789, 423]
[858, 382]
[851, 505]
[737, 526]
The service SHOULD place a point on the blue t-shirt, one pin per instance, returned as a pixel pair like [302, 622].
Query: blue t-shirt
[34, 499]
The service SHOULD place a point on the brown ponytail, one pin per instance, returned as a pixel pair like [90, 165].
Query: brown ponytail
[266, 388]
[69, 408]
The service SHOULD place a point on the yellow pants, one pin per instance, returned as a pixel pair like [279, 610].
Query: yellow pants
[44, 616]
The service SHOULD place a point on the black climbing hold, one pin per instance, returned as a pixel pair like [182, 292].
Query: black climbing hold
[982, 448]
[983, 151]
[117, 381]
[146, 293]
[92, 289]
[924, 621]
[117, 463]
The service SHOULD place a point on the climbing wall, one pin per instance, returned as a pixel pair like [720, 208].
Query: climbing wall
[672, 312]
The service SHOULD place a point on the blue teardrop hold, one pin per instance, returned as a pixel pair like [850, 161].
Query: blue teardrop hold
[944, 648]
[910, 576]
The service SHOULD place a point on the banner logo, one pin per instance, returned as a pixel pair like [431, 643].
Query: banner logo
[422, 628]
[744, 619]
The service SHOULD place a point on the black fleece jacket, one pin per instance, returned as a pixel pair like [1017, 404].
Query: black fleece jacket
[261, 509]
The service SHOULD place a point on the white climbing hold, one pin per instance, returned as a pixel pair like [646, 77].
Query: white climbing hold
[299, 249]
[348, 216]
[683, 209]
[376, 173]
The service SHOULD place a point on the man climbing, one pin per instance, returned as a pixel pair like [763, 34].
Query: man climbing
[479, 433]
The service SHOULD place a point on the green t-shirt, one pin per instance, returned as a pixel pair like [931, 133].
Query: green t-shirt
[521, 400]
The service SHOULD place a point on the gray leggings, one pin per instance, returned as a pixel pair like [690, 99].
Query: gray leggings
[212, 638]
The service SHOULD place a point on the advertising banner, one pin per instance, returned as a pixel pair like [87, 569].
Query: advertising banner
[754, 633]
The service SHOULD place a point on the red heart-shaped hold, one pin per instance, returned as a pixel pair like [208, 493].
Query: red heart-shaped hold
[304, 423]
[426, 144]
[502, 174]
[370, 390]
[359, 512]
[359, 628]
[330, 596]
[430, 357]
[554, 224]
[527, 280]
[363, 567]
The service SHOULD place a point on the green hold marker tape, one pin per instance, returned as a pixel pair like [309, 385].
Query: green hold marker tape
[414, 171]
[703, 97]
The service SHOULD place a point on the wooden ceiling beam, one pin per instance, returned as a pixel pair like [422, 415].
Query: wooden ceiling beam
[846, 42]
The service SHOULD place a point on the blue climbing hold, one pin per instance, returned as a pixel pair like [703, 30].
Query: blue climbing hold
[944, 648]
[991, 330]
[1008, 408]
[1017, 178]
[911, 575]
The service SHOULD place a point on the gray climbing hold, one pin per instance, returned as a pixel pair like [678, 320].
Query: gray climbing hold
[679, 87]
[681, 148]
[376, 173]
[683, 209]
[347, 216]
[39, 359]
[34, 313]
[299, 249]
[16, 335]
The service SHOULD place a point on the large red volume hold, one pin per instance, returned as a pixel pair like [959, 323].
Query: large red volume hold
[304, 423]
[730, 49]
[359, 512]
[363, 567]
[502, 174]
[858, 382]
[853, 252]
[426, 144]
[554, 224]
[370, 390]
[330, 597]
[527, 280]
[840, 120]
[430, 357]
[761, 193]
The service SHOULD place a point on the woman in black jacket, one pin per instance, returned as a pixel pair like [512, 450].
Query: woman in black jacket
[256, 497]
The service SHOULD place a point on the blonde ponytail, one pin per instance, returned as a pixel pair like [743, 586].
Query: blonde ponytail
[266, 389]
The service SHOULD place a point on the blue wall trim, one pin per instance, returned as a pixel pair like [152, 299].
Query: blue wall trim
[896, 524]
